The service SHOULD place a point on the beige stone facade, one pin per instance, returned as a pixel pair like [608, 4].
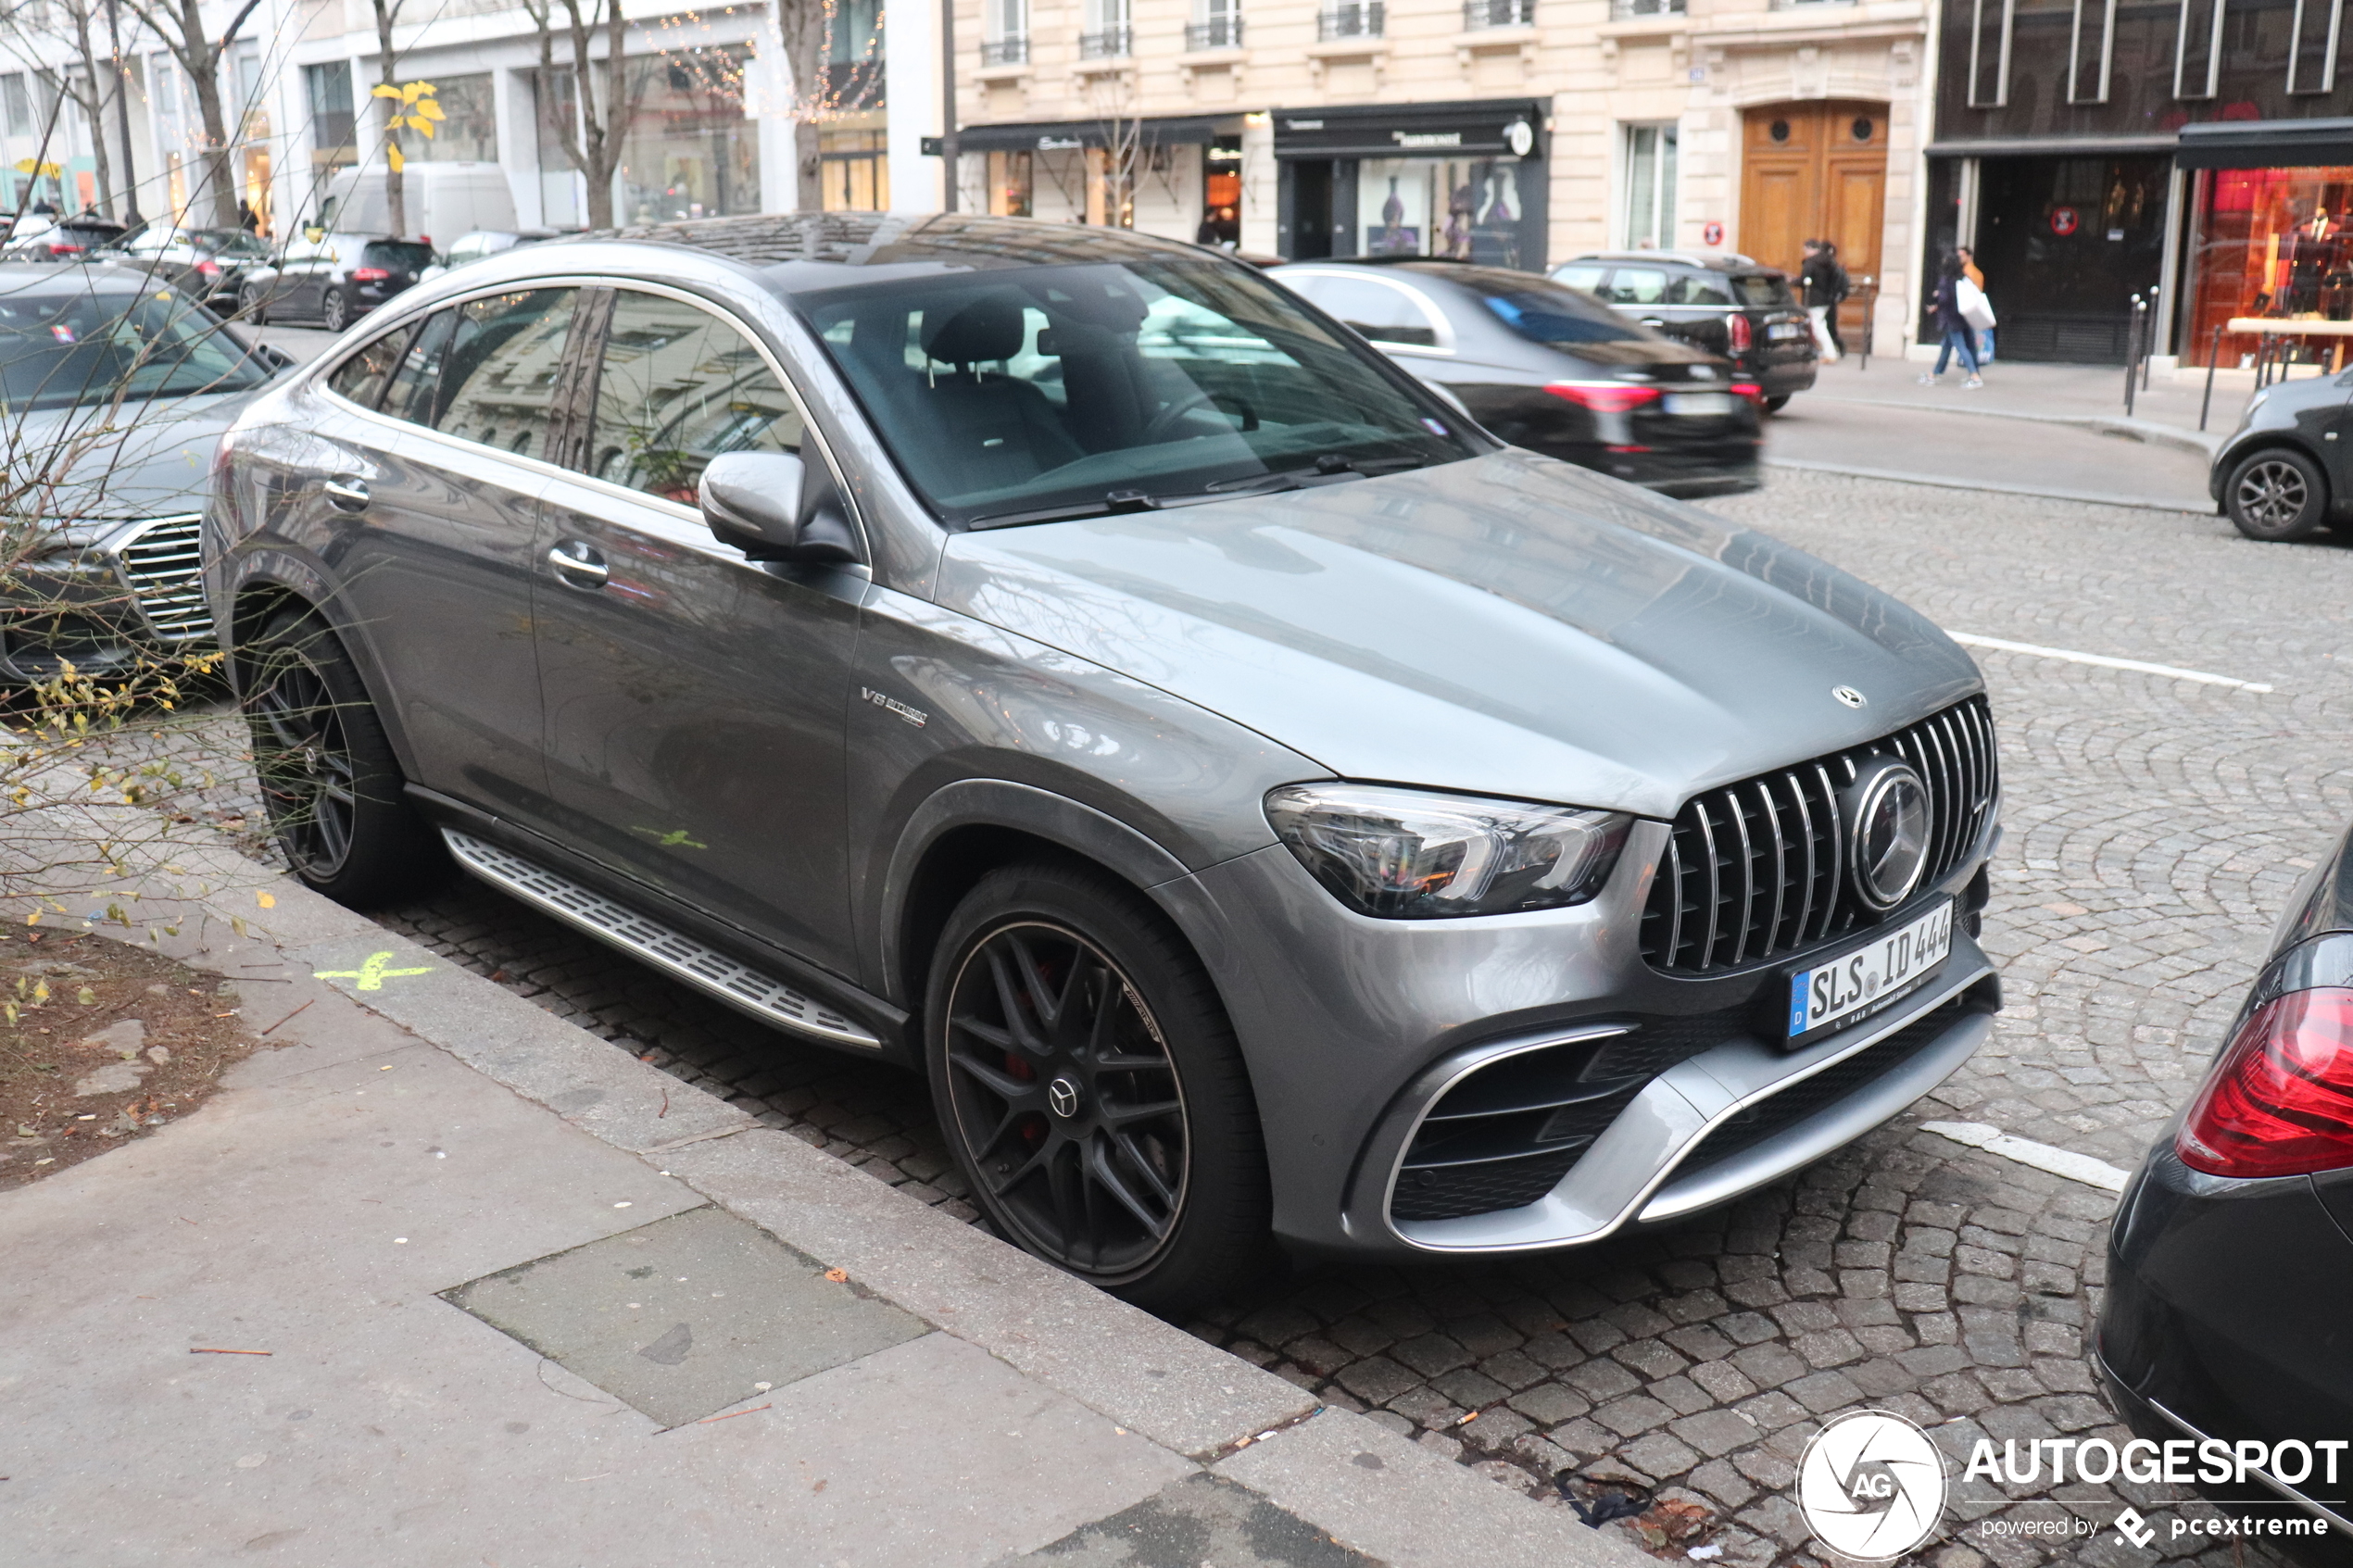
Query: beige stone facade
[1810, 115]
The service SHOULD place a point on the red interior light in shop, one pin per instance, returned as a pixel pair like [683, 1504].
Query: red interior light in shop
[369, 275]
[1603, 396]
[2278, 1099]
[1737, 324]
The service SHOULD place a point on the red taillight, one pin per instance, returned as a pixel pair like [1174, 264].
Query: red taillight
[2279, 1100]
[64, 250]
[1749, 390]
[1737, 324]
[210, 269]
[369, 275]
[1603, 396]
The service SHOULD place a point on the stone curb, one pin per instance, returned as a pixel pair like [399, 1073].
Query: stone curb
[1410, 1509]
[1995, 486]
[2203, 443]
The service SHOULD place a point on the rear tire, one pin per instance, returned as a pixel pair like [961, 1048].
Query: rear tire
[2277, 496]
[250, 306]
[334, 311]
[1091, 1088]
[1775, 405]
[328, 773]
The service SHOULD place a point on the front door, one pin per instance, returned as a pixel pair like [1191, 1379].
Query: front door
[695, 701]
[1815, 172]
[431, 486]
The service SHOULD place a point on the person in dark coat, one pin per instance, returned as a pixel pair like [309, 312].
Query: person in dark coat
[1953, 326]
[1823, 283]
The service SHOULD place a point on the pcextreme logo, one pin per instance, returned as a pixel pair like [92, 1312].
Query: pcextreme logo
[1871, 1485]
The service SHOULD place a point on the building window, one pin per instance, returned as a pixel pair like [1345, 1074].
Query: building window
[2311, 61]
[1989, 53]
[854, 57]
[853, 170]
[469, 130]
[1220, 26]
[332, 124]
[1221, 195]
[1352, 18]
[1112, 36]
[1625, 10]
[554, 106]
[1479, 15]
[690, 151]
[1006, 42]
[18, 104]
[1008, 184]
[2090, 47]
[2268, 242]
[1650, 186]
[2197, 49]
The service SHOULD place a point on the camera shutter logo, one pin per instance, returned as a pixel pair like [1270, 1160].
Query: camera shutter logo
[1872, 1487]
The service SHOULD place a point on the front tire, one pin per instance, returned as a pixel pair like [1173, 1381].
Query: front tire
[1090, 1083]
[335, 310]
[250, 307]
[2277, 496]
[328, 773]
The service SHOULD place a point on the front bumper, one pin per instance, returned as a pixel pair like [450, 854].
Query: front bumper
[138, 596]
[1354, 1028]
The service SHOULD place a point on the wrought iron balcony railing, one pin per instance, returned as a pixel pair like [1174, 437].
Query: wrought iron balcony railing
[1360, 19]
[1218, 33]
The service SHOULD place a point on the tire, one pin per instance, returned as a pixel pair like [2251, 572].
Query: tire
[1168, 1205]
[2277, 496]
[329, 777]
[250, 306]
[334, 311]
[1775, 405]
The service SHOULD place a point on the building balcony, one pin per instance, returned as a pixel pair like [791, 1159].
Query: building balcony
[1363, 18]
[1110, 44]
[1005, 52]
[1481, 15]
[1218, 33]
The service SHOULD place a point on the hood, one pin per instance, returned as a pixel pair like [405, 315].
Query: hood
[1509, 625]
[135, 460]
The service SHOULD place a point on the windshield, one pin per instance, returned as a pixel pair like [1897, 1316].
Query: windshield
[59, 350]
[1019, 396]
[1544, 313]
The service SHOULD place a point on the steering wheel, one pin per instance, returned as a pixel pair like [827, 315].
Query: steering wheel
[1156, 427]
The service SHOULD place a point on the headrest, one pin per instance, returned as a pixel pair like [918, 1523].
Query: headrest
[989, 328]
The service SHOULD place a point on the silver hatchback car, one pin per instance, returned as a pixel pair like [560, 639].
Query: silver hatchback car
[1065, 662]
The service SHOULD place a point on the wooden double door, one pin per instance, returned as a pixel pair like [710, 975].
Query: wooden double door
[1811, 171]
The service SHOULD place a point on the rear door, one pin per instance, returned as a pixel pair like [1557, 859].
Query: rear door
[695, 701]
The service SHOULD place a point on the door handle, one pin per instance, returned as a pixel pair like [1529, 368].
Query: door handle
[578, 565]
[347, 494]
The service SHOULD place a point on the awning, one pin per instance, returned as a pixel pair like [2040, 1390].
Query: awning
[2266, 144]
[1180, 131]
[1487, 128]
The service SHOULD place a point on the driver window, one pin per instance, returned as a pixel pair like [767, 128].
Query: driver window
[678, 387]
[1382, 312]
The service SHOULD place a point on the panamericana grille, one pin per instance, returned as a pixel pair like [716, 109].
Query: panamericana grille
[1758, 868]
[164, 565]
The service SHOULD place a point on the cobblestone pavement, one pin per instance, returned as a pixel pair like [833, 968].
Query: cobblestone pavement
[2155, 827]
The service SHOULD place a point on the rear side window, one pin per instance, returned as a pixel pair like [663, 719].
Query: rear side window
[1550, 315]
[1698, 288]
[678, 387]
[1381, 311]
[1637, 285]
[499, 374]
[396, 255]
[363, 377]
[1763, 291]
[1580, 276]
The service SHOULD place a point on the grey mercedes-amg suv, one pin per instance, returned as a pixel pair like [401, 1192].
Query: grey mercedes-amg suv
[1067, 663]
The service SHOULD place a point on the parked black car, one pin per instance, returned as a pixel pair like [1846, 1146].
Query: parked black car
[332, 280]
[2284, 473]
[210, 265]
[1725, 305]
[1549, 370]
[64, 239]
[2230, 1260]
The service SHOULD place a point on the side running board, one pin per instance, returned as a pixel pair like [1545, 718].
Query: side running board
[673, 953]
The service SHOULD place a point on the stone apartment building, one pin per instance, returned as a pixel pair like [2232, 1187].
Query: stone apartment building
[1521, 132]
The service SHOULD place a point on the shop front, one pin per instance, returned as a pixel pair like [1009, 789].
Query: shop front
[1466, 181]
[2270, 233]
[1179, 177]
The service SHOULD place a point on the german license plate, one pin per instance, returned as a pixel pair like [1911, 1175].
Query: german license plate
[1699, 405]
[1864, 980]
[1785, 329]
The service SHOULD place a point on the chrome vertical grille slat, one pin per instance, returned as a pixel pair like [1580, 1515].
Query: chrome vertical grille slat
[163, 564]
[1760, 820]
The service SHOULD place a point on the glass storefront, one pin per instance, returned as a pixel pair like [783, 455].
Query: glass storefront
[1461, 181]
[853, 163]
[1010, 175]
[469, 128]
[1460, 209]
[2268, 242]
[690, 152]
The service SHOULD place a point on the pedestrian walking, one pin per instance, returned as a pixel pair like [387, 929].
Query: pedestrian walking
[1954, 326]
[1823, 283]
[1984, 328]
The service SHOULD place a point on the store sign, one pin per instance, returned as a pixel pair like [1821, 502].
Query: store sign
[1059, 144]
[2063, 221]
[1426, 138]
[1520, 137]
[1711, 233]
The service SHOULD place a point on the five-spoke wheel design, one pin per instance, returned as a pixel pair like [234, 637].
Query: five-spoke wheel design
[1066, 1099]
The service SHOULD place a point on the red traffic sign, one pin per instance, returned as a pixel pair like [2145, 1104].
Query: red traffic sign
[1712, 233]
[2063, 221]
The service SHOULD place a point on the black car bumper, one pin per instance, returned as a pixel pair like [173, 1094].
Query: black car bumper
[1718, 468]
[2229, 1317]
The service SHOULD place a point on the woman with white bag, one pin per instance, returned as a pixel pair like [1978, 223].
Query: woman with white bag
[1955, 325]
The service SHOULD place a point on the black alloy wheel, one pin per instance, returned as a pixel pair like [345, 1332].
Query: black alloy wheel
[328, 775]
[335, 310]
[2277, 496]
[1089, 1082]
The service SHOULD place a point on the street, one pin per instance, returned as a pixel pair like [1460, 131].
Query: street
[2154, 829]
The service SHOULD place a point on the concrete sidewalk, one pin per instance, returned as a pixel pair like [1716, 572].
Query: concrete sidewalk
[526, 1301]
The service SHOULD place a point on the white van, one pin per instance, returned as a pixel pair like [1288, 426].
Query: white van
[443, 200]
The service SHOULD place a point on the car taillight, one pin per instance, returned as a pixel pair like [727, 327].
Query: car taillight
[2278, 1099]
[1603, 396]
[64, 250]
[210, 269]
[369, 275]
[1737, 324]
[1749, 390]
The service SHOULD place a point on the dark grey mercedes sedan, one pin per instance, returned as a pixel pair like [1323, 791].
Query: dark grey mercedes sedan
[1067, 663]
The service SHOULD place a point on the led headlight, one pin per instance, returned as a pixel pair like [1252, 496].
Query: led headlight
[1411, 854]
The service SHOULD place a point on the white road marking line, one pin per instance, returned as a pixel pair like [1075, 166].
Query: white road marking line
[1970, 639]
[2041, 1156]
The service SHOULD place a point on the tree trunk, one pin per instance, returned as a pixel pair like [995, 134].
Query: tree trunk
[809, 189]
[214, 156]
[387, 69]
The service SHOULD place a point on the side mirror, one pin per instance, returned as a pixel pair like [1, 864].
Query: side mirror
[765, 505]
[274, 357]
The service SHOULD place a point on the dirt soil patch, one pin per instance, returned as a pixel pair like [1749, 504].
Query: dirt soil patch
[101, 1041]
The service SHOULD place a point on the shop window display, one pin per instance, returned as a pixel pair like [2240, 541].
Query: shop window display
[1463, 210]
[2270, 241]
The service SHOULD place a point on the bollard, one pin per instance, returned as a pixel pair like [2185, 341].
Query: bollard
[2213, 354]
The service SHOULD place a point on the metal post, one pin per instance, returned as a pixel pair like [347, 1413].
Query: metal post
[2131, 350]
[948, 139]
[1870, 318]
[2213, 353]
